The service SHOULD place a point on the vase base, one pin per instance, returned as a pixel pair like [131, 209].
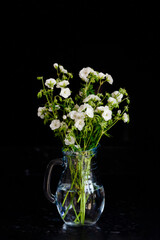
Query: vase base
[87, 224]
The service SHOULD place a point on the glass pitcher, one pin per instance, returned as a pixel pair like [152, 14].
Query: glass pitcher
[80, 198]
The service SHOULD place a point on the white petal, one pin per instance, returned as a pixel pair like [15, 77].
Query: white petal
[69, 140]
[50, 83]
[55, 124]
[65, 92]
[90, 112]
[109, 78]
[79, 124]
[107, 115]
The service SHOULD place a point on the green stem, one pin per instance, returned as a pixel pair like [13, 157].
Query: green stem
[80, 176]
[115, 121]
[71, 202]
[45, 91]
[101, 83]
[112, 125]
[89, 138]
[124, 99]
[82, 203]
[99, 138]
[69, 189]
[77, 217]
[99, 86]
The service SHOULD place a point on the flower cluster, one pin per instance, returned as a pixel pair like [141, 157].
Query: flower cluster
[81, 122]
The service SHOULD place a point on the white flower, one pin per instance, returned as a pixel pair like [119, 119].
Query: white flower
[102, 108]
[91, 96]
[76, 115]
[79, 115]
[79, 119]
[109, 78]
[89, 110]
[55, 124]
[41, 112]
[125, 117]
[117, 95]
[69, 140]
[50, 83]
[95, 73]
[73, 115]
[119, 112]
[65, 71]
[62, 84]
[83, 74]
[107, 115]
[62, 69]
[77, 146]
[82, 107]
[101, 75]
[79, 124]
[64, 117]
[65, 92]
[112, 100]
[55, 65]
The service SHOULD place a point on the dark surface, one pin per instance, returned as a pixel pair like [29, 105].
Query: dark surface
[131, 210]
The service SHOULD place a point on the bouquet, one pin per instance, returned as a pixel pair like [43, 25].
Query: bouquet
[80, 120]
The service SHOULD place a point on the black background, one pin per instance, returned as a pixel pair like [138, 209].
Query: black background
[117, 38]
[120, 38]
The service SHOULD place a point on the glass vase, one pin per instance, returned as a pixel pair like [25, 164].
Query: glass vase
[80, 198]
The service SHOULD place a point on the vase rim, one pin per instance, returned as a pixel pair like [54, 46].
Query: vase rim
[92, 150]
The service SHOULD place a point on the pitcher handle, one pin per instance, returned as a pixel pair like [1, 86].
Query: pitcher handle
[47, 177]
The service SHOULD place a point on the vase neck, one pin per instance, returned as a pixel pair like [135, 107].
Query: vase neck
[85, 159]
